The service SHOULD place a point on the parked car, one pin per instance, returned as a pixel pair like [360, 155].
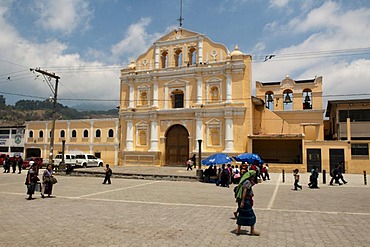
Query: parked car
[26, 163]
[85, 160]
[69, 159]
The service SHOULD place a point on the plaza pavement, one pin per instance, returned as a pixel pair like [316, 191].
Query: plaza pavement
[142, 212]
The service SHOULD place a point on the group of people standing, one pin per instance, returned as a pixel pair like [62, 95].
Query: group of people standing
[33, 181]
[12, 162]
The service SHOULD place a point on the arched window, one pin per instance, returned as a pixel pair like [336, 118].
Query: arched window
[41, 134]
[192, 55]
[178, 58]
[307, 99]
[110, 133]
[30, 134]
[98, 133]
[74, 133]
[62, 134]
[177, 97]
[215, 95]
[288, 100]
[269, 99]
[86, 134]
[164, 59]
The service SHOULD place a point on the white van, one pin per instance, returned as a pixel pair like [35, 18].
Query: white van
[68, 159]
[85, 160]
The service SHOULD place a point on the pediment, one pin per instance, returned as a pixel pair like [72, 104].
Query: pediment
[179, 34]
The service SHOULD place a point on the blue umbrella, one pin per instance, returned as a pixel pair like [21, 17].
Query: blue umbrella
[249, 158]
[217, 159]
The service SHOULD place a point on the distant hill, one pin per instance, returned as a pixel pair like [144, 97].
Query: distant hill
[34, 110]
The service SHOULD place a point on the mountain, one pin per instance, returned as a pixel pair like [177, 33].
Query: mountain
[34, 110]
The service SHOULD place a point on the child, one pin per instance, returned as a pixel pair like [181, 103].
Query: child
[296, 179]
[189, 163]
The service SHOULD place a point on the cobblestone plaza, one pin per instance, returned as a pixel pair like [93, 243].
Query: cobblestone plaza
[137, 212]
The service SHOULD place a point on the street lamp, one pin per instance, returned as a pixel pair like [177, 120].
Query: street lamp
[199, 170]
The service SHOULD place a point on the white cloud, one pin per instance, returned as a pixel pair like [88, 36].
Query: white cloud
[136, 40]
[279, 3]
[326, 28]
[79, 79]
[63, 15]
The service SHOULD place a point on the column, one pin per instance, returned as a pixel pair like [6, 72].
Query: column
[198, 132]
[68, 132]
[46, 135]
[228, 88]
[129, 136]
[199, 90]
[200, 50]
[116, 135]
[166, 97]
[131, 97]
[91, 132]
[187, 97]
[156, 57]
[229, 135]
[115, 154]
[155, 93]
[153, 135]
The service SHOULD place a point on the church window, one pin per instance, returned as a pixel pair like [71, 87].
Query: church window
[269, 99]
[177, 98]
[164, 59]
[307, 99]
[178, 58]
[192, 56]
[288, 100]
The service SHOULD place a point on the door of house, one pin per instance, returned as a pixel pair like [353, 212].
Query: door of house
[336, 158]
[313, 159]
[177, 146]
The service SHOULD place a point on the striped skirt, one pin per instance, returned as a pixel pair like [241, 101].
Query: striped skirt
[246, 216]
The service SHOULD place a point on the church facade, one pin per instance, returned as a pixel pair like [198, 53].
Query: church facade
[185, 90]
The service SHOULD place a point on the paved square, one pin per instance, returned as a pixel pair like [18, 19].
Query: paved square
[132, 212]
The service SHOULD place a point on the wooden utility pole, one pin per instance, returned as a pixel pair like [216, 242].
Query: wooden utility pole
[51, 75]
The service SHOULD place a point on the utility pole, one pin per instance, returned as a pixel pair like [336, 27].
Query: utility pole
[51, 75]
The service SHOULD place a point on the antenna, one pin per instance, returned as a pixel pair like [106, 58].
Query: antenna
[180, 19]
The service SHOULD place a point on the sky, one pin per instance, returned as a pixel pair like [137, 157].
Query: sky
[86, 43]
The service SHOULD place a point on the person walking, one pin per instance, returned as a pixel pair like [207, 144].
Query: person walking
[47, 181]
[108, 174]
[244, 195]
[335, 176]
[13, 161]
[340, 174]
[314, 178]
[7, 164]
[189, 164]
[296, 180]
[31, 180]
[19, 164]
[194, 161]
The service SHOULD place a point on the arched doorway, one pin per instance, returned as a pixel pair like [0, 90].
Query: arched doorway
[177, 145]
